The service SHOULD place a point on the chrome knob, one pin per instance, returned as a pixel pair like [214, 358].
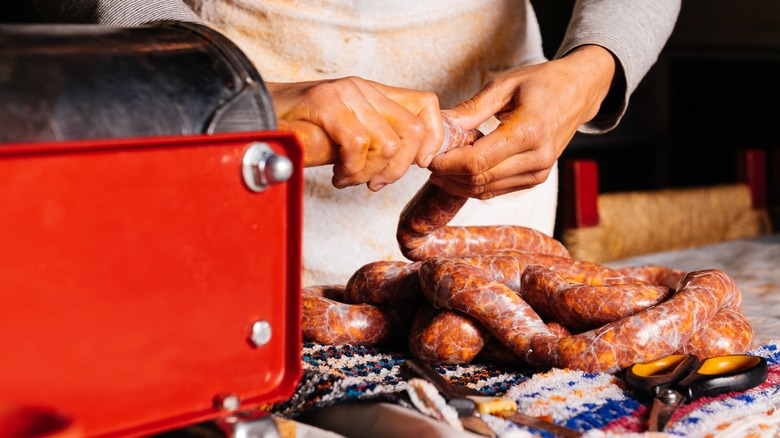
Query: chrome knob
[262, 167]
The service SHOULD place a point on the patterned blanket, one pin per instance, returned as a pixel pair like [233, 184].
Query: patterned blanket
[596, 404]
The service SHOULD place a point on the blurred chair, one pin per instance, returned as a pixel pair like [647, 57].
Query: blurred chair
[600, 227]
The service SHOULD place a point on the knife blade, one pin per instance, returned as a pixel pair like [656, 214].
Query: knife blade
[470, 403]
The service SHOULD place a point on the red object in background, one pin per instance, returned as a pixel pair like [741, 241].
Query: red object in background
[580, 189]
[132, 272]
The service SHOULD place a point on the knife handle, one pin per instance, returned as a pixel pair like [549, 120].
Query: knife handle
[415, 369]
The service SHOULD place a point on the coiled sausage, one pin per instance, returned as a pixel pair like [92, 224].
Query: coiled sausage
[423, 232]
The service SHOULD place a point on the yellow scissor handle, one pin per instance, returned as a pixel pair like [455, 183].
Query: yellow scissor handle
[668, 365]
[728, 364]
[649, 379]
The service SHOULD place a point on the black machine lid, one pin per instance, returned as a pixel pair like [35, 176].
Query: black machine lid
[68, 82]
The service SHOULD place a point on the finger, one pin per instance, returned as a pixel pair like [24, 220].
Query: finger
[380, 144]
[369, 141]
[497, 188]
[411, 131]
[345, 114]
[434, 135]
[517, 172]
[353, 139]
[484, 154]
[318, 148]
[426, 106]
[492, 99]
[527, 162]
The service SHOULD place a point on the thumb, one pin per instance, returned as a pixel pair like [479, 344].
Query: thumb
[474, 111]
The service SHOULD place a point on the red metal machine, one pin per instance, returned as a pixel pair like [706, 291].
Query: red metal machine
[147, 282]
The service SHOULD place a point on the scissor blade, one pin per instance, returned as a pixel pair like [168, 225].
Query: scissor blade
[664, 406]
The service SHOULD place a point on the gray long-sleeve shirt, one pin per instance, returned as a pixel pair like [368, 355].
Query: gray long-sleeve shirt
[114, 12]
[634, 31]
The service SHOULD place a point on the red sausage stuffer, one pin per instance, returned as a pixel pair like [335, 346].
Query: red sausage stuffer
[150, 233]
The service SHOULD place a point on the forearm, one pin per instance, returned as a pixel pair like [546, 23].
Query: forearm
[634, 32]
[114, 12]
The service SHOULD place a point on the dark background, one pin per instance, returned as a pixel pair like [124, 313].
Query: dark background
[714, 89]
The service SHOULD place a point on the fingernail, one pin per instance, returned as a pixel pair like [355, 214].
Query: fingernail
[378, 187]
[428, 159]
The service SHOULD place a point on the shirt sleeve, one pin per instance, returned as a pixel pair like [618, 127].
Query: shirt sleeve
[634, 31]
[114, 12]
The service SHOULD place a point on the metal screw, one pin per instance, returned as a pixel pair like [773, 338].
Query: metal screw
[669, 396]
[261, 333]
[229, 402]
[261, 167]
[278, 168]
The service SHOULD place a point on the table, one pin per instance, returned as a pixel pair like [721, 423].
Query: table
[356, 391]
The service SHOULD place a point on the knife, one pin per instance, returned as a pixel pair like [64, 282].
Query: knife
[465, 407]
[470, 403]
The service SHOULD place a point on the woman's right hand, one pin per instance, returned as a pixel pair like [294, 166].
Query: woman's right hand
[371, 133]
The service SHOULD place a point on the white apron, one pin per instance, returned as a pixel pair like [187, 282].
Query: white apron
[450, 47]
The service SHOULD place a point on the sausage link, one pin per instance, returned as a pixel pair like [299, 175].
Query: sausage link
[728, 332]
[326, 320]
[491, 279]
[384, 282]
[423, 232]
[507, 267]
[645, 336]
[458, 286]
[658, 275]
[584, 306]
[446, 336]
[496, 352]
[455, 136]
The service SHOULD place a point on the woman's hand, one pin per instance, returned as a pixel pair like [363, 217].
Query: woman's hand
[539, 107]
[371, 132]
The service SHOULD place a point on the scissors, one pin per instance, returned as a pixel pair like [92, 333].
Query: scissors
[680, 378]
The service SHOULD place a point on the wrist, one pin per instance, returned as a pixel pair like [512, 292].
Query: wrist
[595, 68]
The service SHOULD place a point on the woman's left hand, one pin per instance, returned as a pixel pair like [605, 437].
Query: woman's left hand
[539, 107]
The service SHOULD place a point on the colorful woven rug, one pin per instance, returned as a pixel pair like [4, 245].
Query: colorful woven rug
[596, 404]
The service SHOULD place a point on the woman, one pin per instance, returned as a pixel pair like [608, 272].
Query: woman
[366, 79]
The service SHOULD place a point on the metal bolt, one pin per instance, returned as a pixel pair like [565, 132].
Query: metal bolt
[261, 333]
[669, 396]
[278, 168]
[261, 167]
[229, 402]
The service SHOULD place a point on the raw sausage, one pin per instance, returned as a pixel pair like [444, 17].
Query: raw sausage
[727, 332]
[327, 320]
[384, 282]
[585, 306]
[514, 294]
[455, 136]
[395, 281]
[648, 335]
[423, 232]
[658, 275]
[446, 336]
[458, 286]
